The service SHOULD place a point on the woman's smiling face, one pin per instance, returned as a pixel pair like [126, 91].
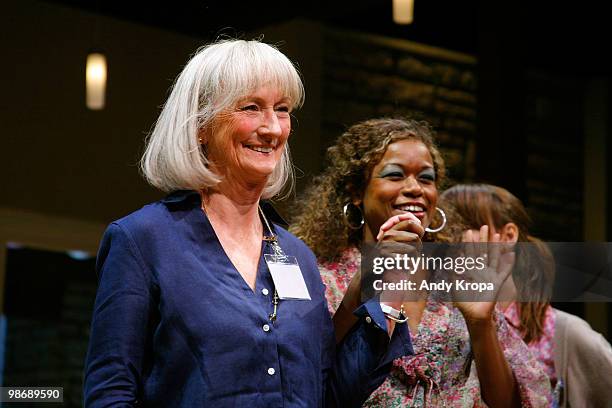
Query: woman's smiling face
[404, 180]
[250, 139]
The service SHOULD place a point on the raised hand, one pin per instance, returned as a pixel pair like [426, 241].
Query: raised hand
[401, 235]
[498, 267]
[404, 227]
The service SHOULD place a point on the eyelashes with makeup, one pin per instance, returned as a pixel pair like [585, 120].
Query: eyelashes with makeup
[427, 176]
[391, 171]
[391, 174]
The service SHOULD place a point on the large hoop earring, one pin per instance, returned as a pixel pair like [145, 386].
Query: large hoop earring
[441, 227]
[347, 218]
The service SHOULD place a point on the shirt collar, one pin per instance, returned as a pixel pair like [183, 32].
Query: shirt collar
[184, 196]
[180, 196]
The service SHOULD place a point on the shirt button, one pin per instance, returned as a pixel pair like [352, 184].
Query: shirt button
[368, 319]
[266, 328]
[271, 371]
[264, 292]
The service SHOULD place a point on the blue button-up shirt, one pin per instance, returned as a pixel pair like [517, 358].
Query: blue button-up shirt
[175, 324]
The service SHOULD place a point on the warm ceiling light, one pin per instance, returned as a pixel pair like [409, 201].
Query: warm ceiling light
[403, 11]
[95, 80]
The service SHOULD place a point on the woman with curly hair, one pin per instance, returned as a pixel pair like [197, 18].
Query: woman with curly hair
[382, 187]
[570, 352]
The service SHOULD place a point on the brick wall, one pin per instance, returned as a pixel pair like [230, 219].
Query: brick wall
[367, 76]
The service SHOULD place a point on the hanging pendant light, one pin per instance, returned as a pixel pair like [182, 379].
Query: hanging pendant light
[403, 11]
[95, 80]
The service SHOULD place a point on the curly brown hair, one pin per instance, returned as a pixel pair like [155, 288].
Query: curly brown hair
[318, 218]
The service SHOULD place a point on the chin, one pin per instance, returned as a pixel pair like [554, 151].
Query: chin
[264, 171]
[259, 167]
[259, 174]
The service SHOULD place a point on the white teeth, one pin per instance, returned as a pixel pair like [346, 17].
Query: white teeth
[261, 149]
[412, 208]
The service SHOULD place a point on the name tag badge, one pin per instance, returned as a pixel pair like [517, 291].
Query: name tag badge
[287, 277]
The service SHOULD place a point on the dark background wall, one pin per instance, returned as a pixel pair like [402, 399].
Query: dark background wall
[534, 119]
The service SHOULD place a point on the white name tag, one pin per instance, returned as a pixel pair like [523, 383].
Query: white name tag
[287, 277]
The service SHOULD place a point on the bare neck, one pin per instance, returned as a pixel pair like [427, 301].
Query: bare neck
[236, 222]
[368, 237]
[232, 212]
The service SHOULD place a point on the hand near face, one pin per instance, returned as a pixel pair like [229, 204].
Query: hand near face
[499, 262]
[399, 235]
[401, 228]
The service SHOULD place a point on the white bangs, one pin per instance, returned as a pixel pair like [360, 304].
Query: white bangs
[214, 80]
[250, 65]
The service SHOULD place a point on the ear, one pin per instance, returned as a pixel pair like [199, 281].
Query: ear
[356, 198]
[202, 136]
[509, 233]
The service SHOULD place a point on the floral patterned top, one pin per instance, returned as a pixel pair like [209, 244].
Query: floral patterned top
[543, 348]
[442, 372]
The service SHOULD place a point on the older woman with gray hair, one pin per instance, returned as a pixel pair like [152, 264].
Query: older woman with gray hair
[203, 300]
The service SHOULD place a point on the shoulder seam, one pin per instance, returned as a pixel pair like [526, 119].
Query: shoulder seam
[134, 250]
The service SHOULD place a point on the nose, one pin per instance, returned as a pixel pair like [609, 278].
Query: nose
[270, 125]
[412, 187]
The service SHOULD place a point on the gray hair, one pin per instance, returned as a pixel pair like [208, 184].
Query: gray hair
[217, 76]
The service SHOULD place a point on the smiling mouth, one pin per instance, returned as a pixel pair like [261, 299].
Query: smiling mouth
[410, 208]
[416, 209]
[261, 149]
